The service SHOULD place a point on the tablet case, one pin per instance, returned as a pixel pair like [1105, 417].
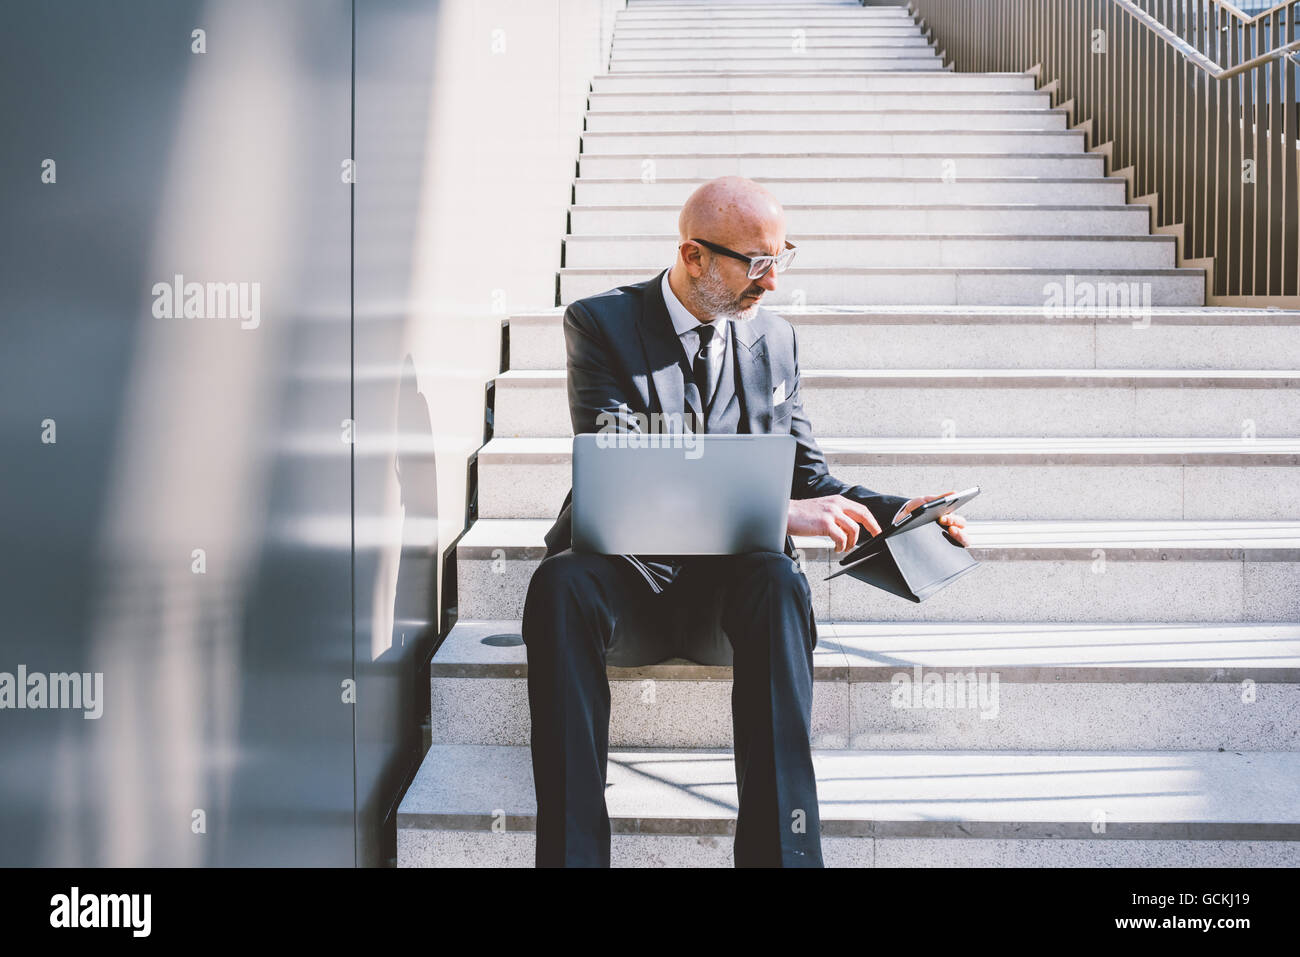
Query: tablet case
[913, 561]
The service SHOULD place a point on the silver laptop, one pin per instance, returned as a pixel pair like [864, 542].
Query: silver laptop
[692, 495]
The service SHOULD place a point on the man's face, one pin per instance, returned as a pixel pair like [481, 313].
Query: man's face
[724, 288]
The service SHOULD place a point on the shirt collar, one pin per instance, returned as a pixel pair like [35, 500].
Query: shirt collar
[683, 320]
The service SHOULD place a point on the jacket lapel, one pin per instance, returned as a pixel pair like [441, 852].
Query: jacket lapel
[663, 353]
[755, 376]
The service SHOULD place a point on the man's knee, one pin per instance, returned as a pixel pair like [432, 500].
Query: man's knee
[569, 579]
[776, 574]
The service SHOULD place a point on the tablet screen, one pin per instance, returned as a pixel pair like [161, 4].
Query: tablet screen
[918, 515]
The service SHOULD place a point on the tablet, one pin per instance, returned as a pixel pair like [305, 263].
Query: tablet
[918, 516]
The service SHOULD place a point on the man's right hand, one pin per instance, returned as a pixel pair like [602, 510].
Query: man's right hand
[833, 516]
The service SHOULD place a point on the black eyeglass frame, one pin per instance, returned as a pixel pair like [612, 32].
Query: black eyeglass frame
[787, 255]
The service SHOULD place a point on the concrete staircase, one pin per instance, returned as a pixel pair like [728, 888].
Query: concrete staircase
[1119, 684]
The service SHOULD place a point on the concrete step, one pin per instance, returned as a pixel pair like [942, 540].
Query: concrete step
[891, 219]
[924, 285]
[878, 191]
[773, 38]
[745, 4]
[952, 142]
[1037, 479]
[1033, 571]
[811, 60]
[919, 403]
[811, 81]
[811, 120]
[938, 167]
[798, 39]
[1119, 334]
[831, 100]
[774, 42]
[474, 805]
[1041, 686]
[794, 16]
[945, 248]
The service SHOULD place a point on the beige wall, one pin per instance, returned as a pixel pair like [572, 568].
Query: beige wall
[509, 95]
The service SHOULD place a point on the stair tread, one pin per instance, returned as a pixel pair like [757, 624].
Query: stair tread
[1111, 651]
[897, 793]
[904, 237]
[948, 314]
[1144, 449]
[1021, 111]
[637, 272]
[1281, 378]
[929, 180]
[1019, 207]
[997, 534]
[842, 155]
[964, 131]
[838, 74]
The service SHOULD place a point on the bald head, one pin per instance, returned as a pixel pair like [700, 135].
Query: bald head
[742, 216]
[730, 209]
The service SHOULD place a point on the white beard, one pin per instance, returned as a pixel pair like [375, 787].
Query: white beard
[712, 293]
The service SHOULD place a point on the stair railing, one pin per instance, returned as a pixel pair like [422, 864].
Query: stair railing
[1192, 101]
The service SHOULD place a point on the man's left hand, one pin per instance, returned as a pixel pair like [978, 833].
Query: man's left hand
[953, 524]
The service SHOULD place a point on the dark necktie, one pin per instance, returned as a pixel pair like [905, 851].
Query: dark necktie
[700, 368]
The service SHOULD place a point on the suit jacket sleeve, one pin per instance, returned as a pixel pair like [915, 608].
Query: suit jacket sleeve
[597, 402]
[812, 478]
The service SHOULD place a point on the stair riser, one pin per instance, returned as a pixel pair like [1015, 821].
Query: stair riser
[792, 17]
[814, 82]
[585, 252]
[806, 5]
[929, 192]
[446, 848]
[903, 221]
[861, 714]
[938, 166]
[934, 408]
[822, 40]
[1087, 588]
[793, 40]
[1046, 492]
[794, 122]
[905, 141]
[809, 61]
[943, 345]
[902, 100]
[938, 287]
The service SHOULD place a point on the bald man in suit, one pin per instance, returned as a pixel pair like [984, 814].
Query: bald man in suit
[693, 341]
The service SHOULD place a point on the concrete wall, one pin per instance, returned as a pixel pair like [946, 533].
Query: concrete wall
[468, 123]
[216, 515]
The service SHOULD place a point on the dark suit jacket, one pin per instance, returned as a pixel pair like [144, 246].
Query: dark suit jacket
[622, 349]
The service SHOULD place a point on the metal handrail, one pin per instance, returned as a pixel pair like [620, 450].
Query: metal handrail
[1211, 148]
[1246, 18]
[1198, 58]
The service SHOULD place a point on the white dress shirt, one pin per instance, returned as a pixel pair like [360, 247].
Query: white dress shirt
[685, 323]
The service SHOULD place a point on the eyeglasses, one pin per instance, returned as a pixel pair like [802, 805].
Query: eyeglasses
[758, 265]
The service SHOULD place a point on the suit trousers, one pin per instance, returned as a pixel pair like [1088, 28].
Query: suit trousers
[752, 611]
